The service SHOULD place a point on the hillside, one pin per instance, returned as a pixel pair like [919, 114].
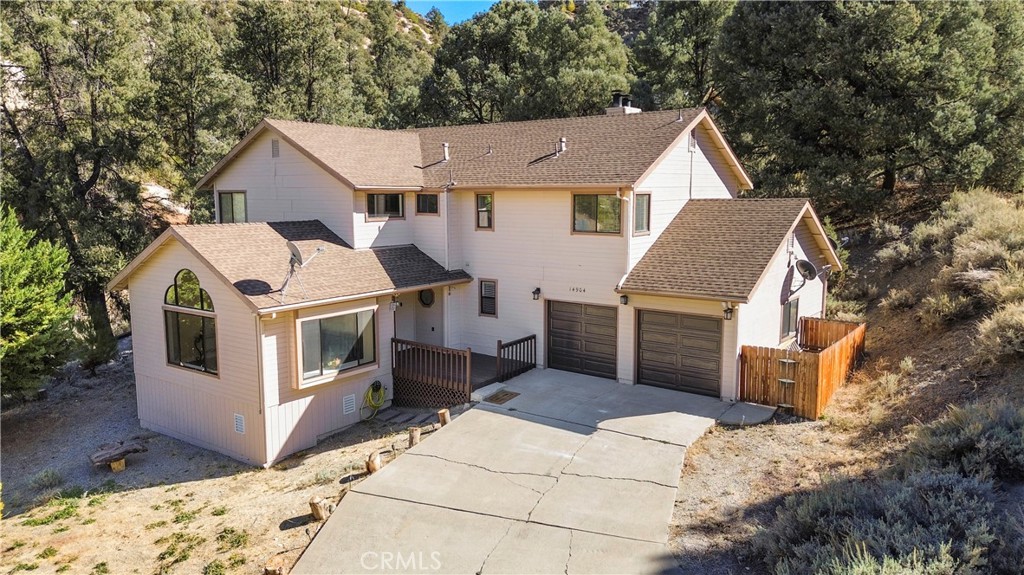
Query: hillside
[932, 415]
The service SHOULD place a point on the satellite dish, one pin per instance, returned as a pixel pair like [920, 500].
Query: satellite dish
[296, 254]
[806, 269]
[295, 264]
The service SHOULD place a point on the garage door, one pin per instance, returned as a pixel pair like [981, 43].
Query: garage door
[681, 352]
[581, 338]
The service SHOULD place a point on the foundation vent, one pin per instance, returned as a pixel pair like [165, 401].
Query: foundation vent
[239, 423]
[349, 404]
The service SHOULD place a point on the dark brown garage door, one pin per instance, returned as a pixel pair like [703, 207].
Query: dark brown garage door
[681, 352]
[581, 338]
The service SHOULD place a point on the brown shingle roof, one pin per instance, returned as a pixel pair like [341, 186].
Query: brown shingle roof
[715, 249]
[362, 156]
[601, 150]
[254, 258]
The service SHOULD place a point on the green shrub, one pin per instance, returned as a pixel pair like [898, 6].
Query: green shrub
[943, 309]
[898, 255]
[928, 518]
[984, 441]
[844, 310]
[215, 567]
[883, 232]
[47, 479]
[898, 299]
[1007, 285]
[231, 538]
[1001, 335]
[35, 311]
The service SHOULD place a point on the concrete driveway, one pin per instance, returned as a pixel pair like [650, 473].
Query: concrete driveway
[575, 475]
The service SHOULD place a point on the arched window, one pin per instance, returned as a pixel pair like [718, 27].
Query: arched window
[190, 324]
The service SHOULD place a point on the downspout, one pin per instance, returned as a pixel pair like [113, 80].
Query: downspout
[446, 339]
[259, 383]
[693, 150]
[629, 232]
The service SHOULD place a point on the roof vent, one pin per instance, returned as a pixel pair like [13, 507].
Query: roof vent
[621, 104]
[561, 146]
[447, 154]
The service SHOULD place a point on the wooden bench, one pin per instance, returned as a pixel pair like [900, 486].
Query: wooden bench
[113, 454]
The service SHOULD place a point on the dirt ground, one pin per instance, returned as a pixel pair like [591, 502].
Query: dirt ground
[175, 509]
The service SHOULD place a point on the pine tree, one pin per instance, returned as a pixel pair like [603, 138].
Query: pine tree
[519, 62]
[867, 94]
[34, 308]
[78, 124]
[397, 69]
[674, 55]
[203, 109]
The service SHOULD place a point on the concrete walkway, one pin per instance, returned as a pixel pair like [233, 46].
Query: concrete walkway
[575, 475]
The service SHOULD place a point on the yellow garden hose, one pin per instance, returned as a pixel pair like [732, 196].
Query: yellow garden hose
[374, 398]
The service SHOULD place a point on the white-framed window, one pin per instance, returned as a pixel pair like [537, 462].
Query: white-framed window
[232, 207]
[790, 318]
[335, 343]
[489, 298]
[190, 324]
[596, 214]
[642, 214]
[385, 206]
[426, 204]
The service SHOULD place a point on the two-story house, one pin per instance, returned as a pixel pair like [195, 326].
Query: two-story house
[617, 240]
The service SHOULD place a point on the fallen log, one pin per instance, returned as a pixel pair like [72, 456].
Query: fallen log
[113, 454]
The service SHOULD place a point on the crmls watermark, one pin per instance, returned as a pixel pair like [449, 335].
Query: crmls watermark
[398, 561]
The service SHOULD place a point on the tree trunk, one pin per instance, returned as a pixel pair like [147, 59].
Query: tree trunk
[889, 173]
[99, 316]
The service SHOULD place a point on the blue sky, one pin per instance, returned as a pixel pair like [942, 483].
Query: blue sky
[454, 11]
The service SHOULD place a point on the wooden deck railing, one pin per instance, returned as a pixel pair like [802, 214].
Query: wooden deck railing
[516, 357]
[802, 380]
[430, 375]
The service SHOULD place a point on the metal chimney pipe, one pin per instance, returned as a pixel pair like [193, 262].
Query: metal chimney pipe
[444, 147]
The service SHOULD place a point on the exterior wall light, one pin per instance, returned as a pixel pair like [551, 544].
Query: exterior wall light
[536, 294]
[624, 299]
[727, 309]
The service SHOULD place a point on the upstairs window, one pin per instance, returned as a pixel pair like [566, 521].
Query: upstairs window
[190, 324]
[426, 204]
[385, 206]
[485, 211]
[642, 214]
[232, 207]
[596, 213]
[790, 318]
[337, 343]
[489, 298]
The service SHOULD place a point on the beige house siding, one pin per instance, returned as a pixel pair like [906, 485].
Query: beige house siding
[384, 232]
[190, 405]
[670, 186]
[761, 319]
[532, 245]
[297, 418]
[628, 327]
[289, 187]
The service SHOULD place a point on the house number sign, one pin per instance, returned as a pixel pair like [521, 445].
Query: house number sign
[578, 290]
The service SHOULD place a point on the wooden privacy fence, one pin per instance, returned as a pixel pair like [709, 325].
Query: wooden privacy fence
[516, 357]
[803, 380]
[430, 375]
